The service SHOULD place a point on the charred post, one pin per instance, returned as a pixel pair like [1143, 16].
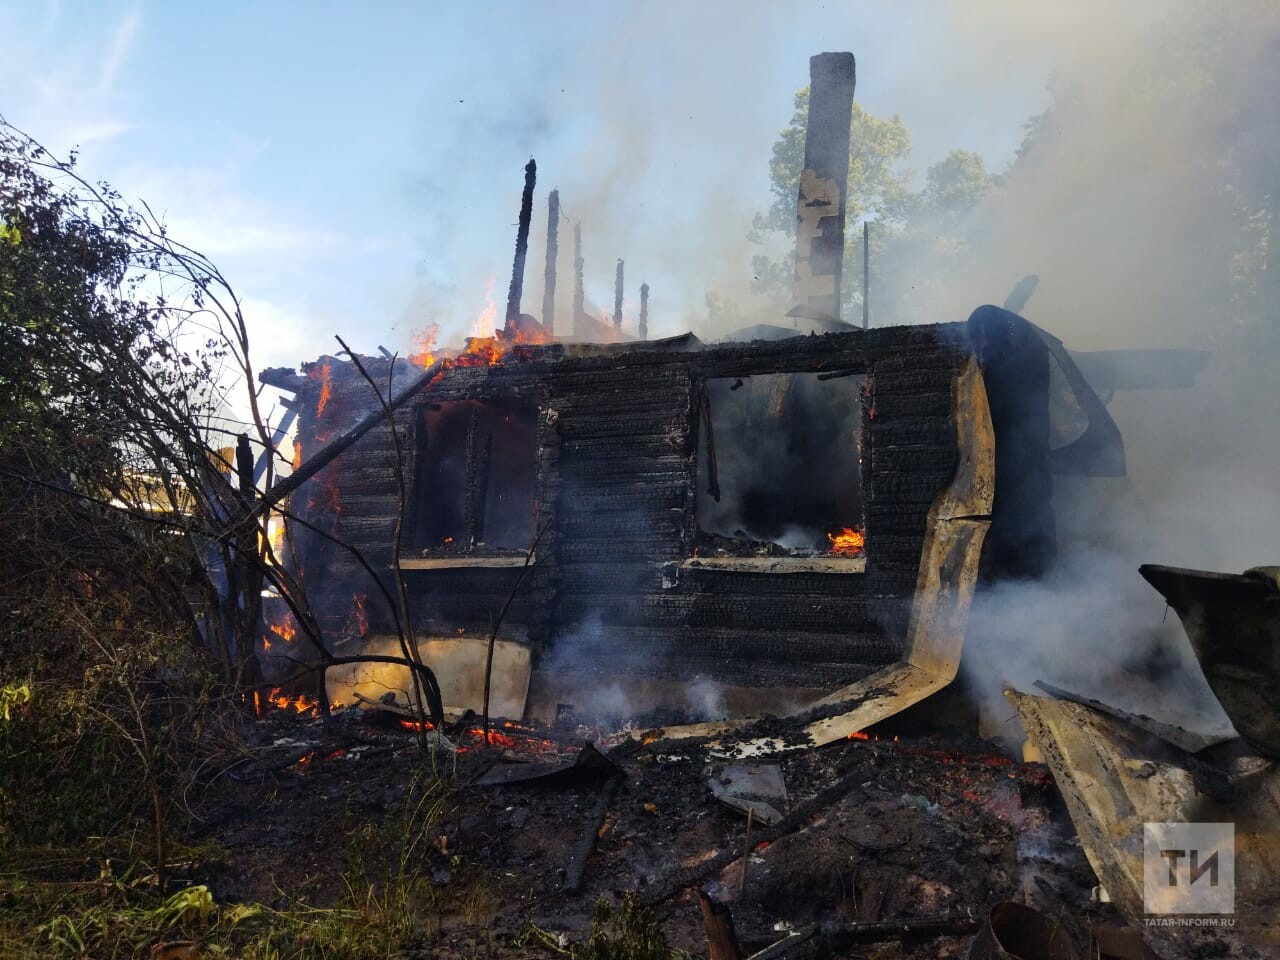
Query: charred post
[644, 311]
[579, 300]
[549, 271]
[866, 275]
[617, 297]
[522, 250]
[821, 205]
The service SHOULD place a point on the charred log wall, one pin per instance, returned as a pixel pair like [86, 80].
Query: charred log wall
[610, 591]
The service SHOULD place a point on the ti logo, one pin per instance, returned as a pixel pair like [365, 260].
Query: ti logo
[1189, 868]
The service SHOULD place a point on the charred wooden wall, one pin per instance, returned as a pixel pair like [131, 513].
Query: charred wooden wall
[615, 491]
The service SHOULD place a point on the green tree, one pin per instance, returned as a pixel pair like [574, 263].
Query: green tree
[878, 190]
[876, 184]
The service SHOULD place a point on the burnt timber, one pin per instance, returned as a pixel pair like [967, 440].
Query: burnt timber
[617, 434]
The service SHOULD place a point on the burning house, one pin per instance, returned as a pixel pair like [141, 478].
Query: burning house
[776, 517]
[790, 521]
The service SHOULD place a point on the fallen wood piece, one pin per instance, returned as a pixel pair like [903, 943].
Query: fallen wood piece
[589, 764]
[792, 939]
[722, 941]
[576, 866]
[840, 938]
[684, 877]
[938, 925]
[386, 704]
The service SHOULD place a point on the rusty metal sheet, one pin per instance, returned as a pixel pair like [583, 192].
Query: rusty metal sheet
[1014, 931]
[1233, 623]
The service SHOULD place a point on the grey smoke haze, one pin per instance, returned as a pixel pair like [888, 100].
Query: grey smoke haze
[1128, 210]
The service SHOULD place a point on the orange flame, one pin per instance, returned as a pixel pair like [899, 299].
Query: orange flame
[299, 704]
[331, 755]
[424, 346]
[487, 320]
[846, 541]
[326, 387]
[284, 630]
[297, 454]
[481, 351]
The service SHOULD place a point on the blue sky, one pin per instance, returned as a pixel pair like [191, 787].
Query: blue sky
[356, 168]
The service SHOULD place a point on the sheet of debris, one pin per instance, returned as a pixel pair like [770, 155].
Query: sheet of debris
[881, 847]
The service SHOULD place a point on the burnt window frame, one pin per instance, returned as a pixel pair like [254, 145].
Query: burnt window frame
[421, 556]
[700, 413]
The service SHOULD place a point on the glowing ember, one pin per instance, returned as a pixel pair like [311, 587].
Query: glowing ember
[526, 741]
[331, 755]
[858, 735]
[846, 541]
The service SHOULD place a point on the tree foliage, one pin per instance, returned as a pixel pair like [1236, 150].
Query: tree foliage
[879, 190]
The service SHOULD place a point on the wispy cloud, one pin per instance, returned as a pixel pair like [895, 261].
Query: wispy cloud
[121, 39]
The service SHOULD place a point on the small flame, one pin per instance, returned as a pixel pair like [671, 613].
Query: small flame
[487, 320]
[297, 454]
[424, 346]
[301, 704]
[846, 541]
[326, 387]
[285, 630]
[359, 616]
[305, 761]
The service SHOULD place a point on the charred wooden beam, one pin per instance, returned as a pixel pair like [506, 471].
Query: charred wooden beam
[866, 275]
[617, 297]
[579, 299]
[522, 249]
[722, 941]
[283, 378]
[576, 866]
[470, 473]
[820, 208]
[549, 270]
[644, 311]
